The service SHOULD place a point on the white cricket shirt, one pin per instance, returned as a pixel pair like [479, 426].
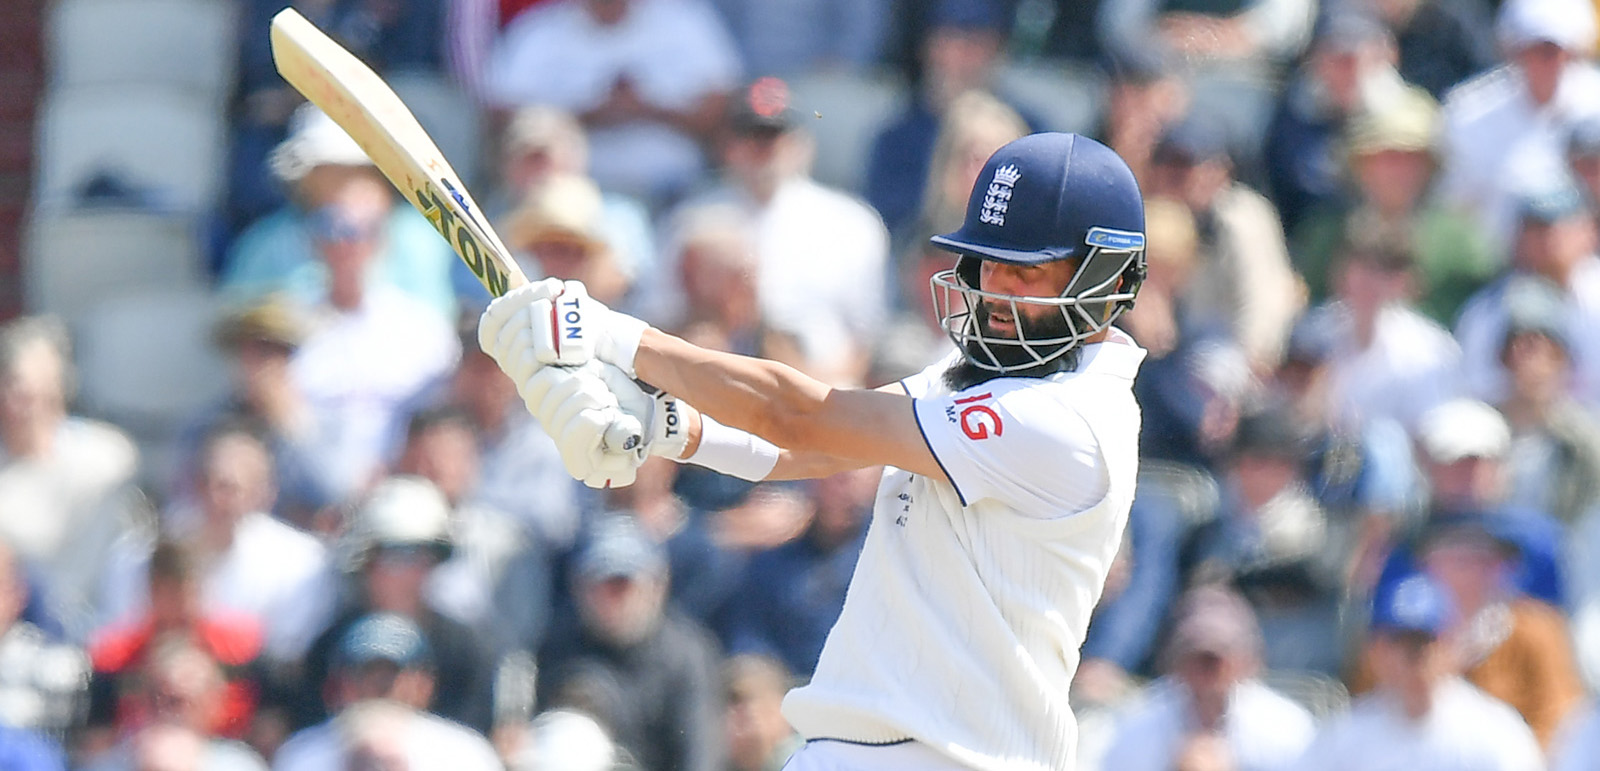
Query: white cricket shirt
[962, 624]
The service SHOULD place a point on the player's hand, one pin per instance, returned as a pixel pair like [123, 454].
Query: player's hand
[588, 424]
[572, 328]
[661, 414]
[505, 333]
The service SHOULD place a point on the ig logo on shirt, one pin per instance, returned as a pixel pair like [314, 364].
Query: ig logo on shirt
[978, 421]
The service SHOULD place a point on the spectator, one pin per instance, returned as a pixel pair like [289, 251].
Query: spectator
[759, 738]
[542, 142]
[66, 483]
[976, 125]
[251, 564]
[1462, 450]
[792, 594]
[441, 448]
[822, 256]
[373, 353]
[1389, 362]
[261, 338]
[1145, 95]
[801, 37]
[44, 682]
[1273, 542]
[718, 268]
[1389, 157]
[1556, 243]
[1350, 69]
[647, 78]
[338, 202]
[1504, 131]
[1440, 43]
[520, 470]
[382, 677]
[1517, 649]
[960, 51]
[1243, 281]
[182, 689]
[1209, 710]
[397, 536]
[176, 616]
[913, 339]
[557, 229]
[1420, 709]
[1555, 443]
[645, 672]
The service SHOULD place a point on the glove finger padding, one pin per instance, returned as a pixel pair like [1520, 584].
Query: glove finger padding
[505, 308]
[566, 326]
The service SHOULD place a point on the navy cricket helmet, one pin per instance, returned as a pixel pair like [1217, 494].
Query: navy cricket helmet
[1039, 199]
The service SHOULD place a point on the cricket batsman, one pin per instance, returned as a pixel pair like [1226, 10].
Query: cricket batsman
[1009, 466]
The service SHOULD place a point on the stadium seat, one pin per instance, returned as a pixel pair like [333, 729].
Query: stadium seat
[191, 45]
[1065, 98]
[75, 262]
[146, 363]
[163, 142]
[845, 111]
[448, 115]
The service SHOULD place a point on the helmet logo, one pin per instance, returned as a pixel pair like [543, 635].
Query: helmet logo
[997, 199]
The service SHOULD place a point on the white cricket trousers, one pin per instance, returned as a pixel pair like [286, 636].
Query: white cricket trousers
[829, 755]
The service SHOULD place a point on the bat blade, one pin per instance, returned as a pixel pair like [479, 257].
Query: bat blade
[373, 115]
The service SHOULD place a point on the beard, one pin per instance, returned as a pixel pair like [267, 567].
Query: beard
[1009, 353]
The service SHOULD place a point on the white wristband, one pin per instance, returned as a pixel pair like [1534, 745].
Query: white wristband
[733, 452]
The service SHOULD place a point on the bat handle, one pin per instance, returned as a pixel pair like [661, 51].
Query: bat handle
[623, 435]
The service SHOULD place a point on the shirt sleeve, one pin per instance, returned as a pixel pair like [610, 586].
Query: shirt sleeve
[1013, 444]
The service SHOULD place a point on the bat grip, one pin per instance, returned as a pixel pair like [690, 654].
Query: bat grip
[623, 435]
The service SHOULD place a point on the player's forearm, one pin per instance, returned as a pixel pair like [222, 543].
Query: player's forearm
[768, 399]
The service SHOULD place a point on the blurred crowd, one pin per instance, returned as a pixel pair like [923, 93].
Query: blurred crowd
[1367, 529]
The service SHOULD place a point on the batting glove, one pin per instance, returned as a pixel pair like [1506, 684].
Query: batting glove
[600, 444]
[660, 413]
[570, 329]
[505, 333]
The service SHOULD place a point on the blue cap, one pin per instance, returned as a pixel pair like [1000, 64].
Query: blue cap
[1554, 201]
[1048, 197]
[387, 637]
[1417, 604]
[1193, 140]
[1535, 305]
[618, 547]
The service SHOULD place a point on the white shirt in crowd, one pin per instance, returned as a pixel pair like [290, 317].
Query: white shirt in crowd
[1497, 142]
[963, 622]
[425, 742]
[1481, 328]
[485, 540]
[1466, 730]
[1265, 731]
[673, 53]
[273, 573]
[1411, 366]
[363, 372]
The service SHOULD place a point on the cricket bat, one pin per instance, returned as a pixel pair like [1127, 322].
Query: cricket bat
[373, 115]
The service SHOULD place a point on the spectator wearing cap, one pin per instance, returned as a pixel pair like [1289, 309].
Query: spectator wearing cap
[960, 48]
[1505, 130]
[338, 201]
[395, 538]
[1209, 710]
[1516, 648]
[1441, 43]
[647, 673]
[822, 256]
[253, 565]
[557, 230]
[1145, 95]
[1556, 243]
[1389, 362]
[1243, 280]
[1350, 69]
[381, 679]
[1389, 156]
[66, 482]
[541, 142]
[260, 339]
[646, 78]
[1555, 443]
[1420, 711]
[800, 37]
[1274, 542]
[564, 739]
